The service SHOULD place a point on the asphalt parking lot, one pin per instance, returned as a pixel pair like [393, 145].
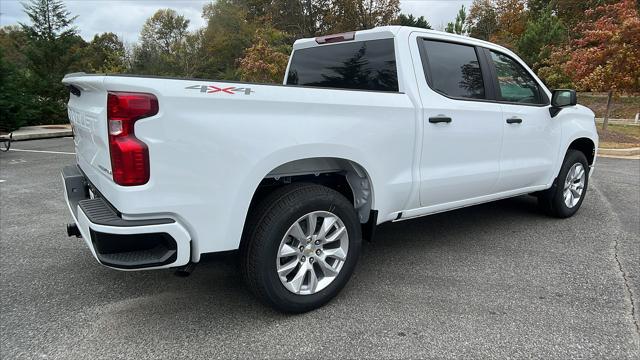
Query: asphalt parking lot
[492, 281]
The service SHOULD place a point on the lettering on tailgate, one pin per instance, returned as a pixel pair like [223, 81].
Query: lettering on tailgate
[78, 119]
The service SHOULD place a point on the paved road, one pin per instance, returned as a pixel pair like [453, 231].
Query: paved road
[492, 281]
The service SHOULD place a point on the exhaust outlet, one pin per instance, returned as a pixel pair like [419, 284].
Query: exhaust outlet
[72, 230]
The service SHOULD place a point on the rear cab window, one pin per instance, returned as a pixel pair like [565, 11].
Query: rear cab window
[453, 69]
[358, 65]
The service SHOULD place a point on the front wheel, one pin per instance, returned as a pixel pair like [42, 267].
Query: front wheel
[301, 246]
[564, 198]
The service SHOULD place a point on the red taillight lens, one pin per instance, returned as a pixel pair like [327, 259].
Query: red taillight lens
[129, 155]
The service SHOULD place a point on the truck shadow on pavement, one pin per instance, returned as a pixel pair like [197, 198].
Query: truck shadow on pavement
[216, 290]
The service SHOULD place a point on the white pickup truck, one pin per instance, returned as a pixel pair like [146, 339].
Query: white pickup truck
[371, 126]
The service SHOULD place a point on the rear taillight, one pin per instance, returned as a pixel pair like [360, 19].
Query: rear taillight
[129, 155]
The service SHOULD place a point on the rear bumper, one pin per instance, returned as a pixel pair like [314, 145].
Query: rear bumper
[143, 243]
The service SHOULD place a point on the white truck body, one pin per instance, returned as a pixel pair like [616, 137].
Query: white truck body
[212, 144]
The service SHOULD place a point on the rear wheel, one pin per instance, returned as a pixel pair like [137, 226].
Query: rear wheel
[301, 246]
[565, 197]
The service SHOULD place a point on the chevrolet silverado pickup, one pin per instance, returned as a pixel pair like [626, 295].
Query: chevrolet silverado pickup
[368, 127]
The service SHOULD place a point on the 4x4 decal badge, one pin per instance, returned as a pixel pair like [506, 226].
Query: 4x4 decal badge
[209, 89]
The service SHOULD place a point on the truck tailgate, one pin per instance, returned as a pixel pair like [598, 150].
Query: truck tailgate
[88, 116]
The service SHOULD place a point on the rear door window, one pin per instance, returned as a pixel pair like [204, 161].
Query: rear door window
[453, 69]
[362, 65]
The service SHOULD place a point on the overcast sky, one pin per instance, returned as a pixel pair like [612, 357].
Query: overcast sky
[125, 17]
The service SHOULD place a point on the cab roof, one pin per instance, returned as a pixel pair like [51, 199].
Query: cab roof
[385, 32]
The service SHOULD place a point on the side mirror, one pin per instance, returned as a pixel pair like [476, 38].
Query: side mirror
[561, 98]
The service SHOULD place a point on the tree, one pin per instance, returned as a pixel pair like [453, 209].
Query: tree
[16, 104]
[104, 54]
[606, 57]
[412, 21]
[537, 7]
[605, 54]
[50, 19]
[266, 60]
[13, 40]
[542, 32]
[459, 26]
[161, 38]
[511, 21]
[552, 69]
[571, 12]
[350, 15]
[482, 21]
[164, 30]
[297, 18]
[52, 49]
[306, 18]
[226, 37]
[499, 21]
[191, 53]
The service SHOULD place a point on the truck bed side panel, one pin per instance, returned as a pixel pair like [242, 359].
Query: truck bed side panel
[212, 143]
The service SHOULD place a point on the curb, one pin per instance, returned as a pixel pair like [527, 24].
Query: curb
[41, 132]
[619, 152]
[619, 121]
[57, 134]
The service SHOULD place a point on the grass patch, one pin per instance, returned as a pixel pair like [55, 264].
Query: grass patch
[622, 107]
[619, 136]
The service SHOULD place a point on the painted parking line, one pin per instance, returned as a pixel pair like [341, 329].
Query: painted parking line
[45, 152]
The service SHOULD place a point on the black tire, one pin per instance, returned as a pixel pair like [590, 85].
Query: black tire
[269, 221]
[551, 201]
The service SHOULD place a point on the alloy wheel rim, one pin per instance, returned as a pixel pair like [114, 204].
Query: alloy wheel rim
[574, 185]
[312, 252]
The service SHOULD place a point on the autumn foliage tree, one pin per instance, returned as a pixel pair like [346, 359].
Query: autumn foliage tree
[226, 36]
[499, 21]
[265, 61]
[483, 19]
[587, 44]
[605, 53]
[512, 19]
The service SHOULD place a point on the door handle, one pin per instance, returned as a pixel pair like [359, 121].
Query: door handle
[514, 121]
[439, 119]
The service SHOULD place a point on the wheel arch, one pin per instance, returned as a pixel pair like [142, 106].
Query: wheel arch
[334, 172]
[585, 145]
[583, 141]
[330, 171]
